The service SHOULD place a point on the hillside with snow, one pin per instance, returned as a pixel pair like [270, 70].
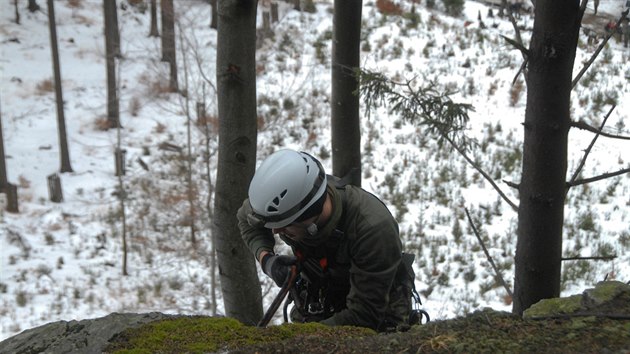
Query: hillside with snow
[63, 261]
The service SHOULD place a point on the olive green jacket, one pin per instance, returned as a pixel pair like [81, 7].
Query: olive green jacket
[363, 248]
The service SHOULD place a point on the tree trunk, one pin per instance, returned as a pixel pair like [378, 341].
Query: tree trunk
[17, 12]
[274, 12]
[213, 18]
[154, 27]
[346, 132]
[61, 119]
[236, 81]
[115, 30]
[113, 109]
[168, 41]
[4, 182]
[543, 185]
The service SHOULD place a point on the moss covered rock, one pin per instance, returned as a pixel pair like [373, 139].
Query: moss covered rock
[607, 298]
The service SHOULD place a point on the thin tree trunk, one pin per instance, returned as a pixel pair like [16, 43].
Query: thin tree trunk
[61, 119]
[3, 167]
[236, 87]
[17, 12]
[122, 196]
[543, 185]
[213, 259]
[346, 132]
[154, 27]
[189, 165]
[113, 108]
[168, 41]
[116, 29]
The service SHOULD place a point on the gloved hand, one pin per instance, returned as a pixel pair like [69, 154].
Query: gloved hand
[277, 267]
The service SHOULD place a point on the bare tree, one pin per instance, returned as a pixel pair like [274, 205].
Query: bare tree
[154, 27]
[61, 119]
[3, 167]
[115, 32]
[17, 12]
[9, 189]
[345, 122]
[5, 187]
[189, 158]
[236, 87]
[168, 40]
[113, 109]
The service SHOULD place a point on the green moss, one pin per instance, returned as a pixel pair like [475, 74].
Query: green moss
[209, 334]
[549, 307]
[607, 290]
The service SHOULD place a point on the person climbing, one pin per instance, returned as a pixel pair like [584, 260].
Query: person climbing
[344, 239]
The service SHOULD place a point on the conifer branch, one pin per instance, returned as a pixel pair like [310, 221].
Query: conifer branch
[424, 107]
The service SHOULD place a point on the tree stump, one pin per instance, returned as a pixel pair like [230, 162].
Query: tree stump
[54, 188]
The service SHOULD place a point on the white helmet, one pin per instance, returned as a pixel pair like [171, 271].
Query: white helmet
[285, 185]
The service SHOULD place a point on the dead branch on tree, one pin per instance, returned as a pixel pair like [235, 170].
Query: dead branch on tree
[597, 178]
[599, 49]
[593, 258]
[482, 172]
[590, 147]
[485, 250]
[585, 126]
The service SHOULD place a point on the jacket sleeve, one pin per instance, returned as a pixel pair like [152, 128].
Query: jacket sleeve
[258, 239]
[375, 256]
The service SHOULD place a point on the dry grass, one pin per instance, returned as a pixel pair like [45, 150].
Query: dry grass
[45, 87]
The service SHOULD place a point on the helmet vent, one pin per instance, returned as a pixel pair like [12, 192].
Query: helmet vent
[276, 202]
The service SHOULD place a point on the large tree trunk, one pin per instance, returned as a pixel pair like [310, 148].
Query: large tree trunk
[236, 81]
[543, 185]
[346, 131]
[61, 119]
[113, 109]
[168, 41]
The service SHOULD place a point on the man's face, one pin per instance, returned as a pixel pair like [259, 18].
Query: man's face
[296, 230]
